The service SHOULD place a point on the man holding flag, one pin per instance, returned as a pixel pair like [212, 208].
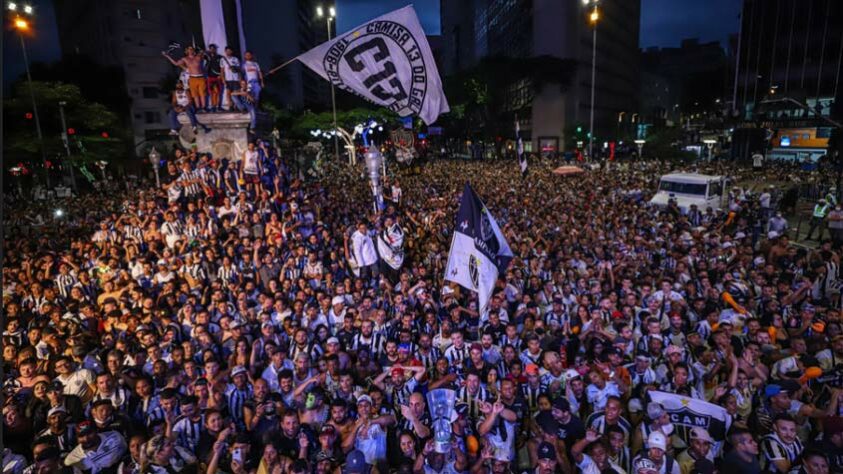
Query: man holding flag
[479, 251]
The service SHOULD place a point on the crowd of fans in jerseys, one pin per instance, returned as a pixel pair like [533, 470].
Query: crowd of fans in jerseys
[239, 319]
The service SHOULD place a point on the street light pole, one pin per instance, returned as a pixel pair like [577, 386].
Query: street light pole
[330, 16]
[66, 145]
[595, 15]
[21, 25]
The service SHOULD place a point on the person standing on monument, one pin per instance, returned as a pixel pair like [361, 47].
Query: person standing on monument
[253, 75]
[231, 74]
[192, 63]
[213, 71]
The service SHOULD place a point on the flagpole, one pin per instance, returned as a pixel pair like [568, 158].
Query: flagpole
[275, 69]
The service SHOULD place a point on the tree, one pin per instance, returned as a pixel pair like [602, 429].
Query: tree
[97, 128]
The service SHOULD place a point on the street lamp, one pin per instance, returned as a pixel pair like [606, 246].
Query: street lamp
[332, 13]
[640, 143]
[155, 161]
[374, 161]
[709, 142]
[23, 25]
[593, 18]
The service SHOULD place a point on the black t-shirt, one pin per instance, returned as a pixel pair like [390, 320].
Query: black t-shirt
[213, 65]
[733, 464]
[572, 431]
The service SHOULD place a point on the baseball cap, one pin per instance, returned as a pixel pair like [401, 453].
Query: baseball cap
[355, 463]
[674, 349]
[238, 370]
[701, 433]
[655, 410]
[644, 464]
[531, 369]
[337, 300]
[332, 340]
[54, 410]
[572, 374]
[546, 451]
[364, 398]
[657, 440]
[85, 428]
[55, 386]
[327, 429]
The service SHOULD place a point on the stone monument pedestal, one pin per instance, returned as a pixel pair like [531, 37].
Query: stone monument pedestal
[229, 135]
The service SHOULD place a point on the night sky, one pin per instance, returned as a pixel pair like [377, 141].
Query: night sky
[663, 23]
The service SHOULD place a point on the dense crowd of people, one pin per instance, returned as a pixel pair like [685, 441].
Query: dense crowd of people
[241, 320]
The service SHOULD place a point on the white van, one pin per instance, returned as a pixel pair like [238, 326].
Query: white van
[691, 188]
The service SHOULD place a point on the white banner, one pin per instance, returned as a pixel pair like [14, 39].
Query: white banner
[213, 23]
[386, 61]
[687, 413]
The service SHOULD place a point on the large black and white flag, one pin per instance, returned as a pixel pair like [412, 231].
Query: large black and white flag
[479, 251]
[687, 413]
[519, 149]
[386, 61]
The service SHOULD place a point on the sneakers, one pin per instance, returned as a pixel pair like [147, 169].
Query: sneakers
[174, 133]
[195, 130]
[206, 129]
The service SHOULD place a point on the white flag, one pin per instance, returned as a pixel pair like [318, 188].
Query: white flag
[386, 61]
[687, 413]
[478, 250]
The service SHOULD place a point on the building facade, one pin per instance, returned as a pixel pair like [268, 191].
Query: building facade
[474, 29]
[280, 30]
[789, 49]
[131, 35]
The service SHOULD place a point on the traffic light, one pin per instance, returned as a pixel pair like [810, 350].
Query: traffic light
[71, 131]
[579, 129]
[104, 134]
[28, 115]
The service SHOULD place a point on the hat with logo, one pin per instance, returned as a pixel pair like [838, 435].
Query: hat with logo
[546, 451]
[85, 428]
[355, 463]
[238, 370]
[657, 440]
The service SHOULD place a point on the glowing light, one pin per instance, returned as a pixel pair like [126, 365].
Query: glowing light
[21, 24]
[332, 11]
[27, 9]
[13, 6]
[320, 12]
[595, 15]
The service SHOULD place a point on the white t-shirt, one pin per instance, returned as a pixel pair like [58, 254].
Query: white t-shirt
[228, 64]
[77, 382]
[252, 70]
[250, 162]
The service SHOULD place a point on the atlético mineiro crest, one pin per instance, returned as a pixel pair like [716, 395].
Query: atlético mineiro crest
[376, 53]
[474, 271]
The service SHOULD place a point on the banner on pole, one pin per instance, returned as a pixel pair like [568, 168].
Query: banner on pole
[386, 61]
[479, 251]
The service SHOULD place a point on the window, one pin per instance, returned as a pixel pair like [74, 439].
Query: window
[150, 92]
[683, 188]
[152, 117]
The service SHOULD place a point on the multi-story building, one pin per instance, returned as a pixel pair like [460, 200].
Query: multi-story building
[789, 49]
[131, 35]
[561, 29]
[685, 83]
[280, 30]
